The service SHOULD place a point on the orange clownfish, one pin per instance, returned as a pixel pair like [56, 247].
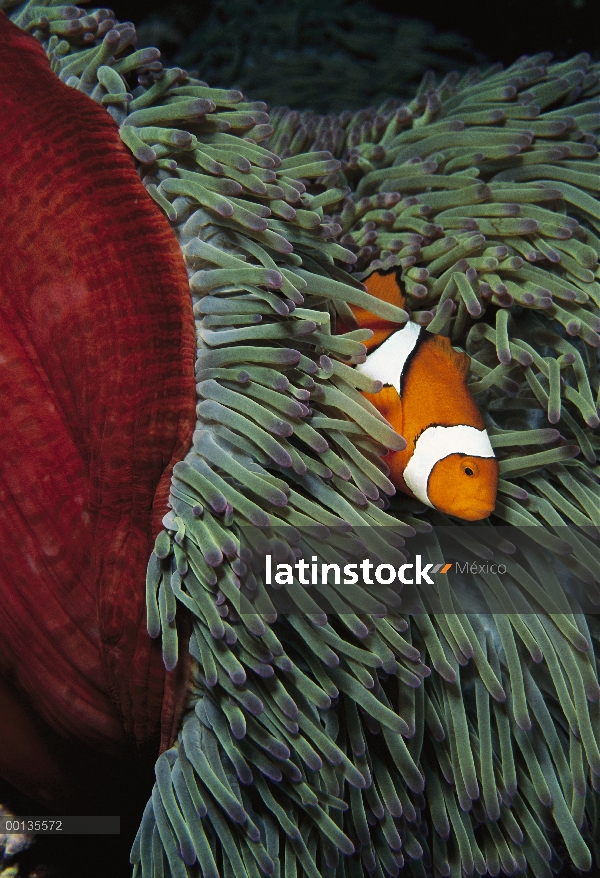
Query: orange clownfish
[448, 462]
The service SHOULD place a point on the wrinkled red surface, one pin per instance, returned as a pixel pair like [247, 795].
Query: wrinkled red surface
[97, 395]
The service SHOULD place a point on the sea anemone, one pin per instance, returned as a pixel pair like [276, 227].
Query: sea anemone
[366, 739]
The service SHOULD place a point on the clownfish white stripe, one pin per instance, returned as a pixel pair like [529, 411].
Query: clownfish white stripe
[387, 362]
[436, 443]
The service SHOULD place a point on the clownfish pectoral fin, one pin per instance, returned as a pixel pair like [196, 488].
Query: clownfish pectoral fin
[458, 361]
[383, 285]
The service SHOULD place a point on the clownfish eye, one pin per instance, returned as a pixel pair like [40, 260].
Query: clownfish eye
[469, 467]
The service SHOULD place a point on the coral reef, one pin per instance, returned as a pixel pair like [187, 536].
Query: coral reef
[363, 743]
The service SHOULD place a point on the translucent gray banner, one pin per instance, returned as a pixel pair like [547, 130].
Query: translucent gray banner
[453, 569]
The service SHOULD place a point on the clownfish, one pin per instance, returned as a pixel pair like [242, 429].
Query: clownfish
[448, 463]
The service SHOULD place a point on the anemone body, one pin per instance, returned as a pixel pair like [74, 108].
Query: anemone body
[98, 396]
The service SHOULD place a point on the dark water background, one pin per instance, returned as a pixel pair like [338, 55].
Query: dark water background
[348, 54]
[502, 30]
[377, 48]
